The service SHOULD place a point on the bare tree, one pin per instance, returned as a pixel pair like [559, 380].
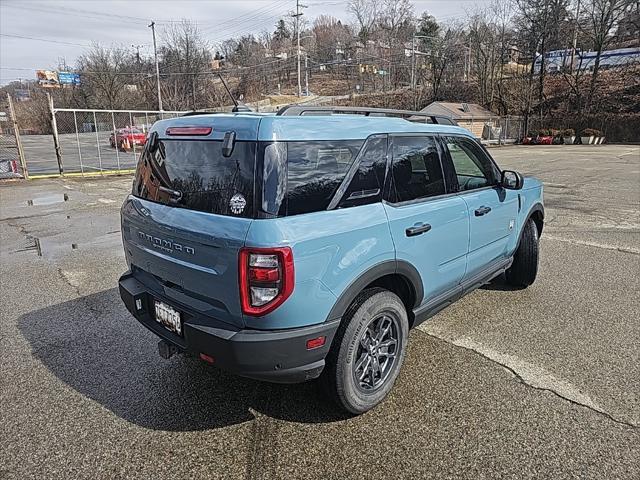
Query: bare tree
[538, 23]
[484, 47]
[629, 24]
[366, 14]
[329, 33]
[397, 24]
[105, 72]
[599, 22]
[186, 58]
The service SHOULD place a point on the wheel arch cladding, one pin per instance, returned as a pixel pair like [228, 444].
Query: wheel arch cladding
[399, 277]
[537, 215]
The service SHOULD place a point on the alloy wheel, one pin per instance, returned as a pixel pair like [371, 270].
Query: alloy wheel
[377, 352]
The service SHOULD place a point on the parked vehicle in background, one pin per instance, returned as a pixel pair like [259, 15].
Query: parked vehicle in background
[291, 247]
[128, 137]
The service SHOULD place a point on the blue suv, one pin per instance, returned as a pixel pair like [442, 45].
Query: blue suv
[304, 244]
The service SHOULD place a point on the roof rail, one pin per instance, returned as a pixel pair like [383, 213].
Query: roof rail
[239, 109]
[413, 116]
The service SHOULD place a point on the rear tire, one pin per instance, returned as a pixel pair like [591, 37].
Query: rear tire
[524, 269]
[367, 351]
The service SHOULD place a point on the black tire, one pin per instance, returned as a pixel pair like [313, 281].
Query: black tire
[524, 269]
[357, 329]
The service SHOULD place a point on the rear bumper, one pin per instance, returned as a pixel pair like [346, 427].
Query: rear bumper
[277, 356]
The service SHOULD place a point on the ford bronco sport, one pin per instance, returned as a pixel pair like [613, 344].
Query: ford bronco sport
[306, 244]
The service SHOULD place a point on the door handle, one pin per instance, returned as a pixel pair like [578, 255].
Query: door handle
[418, 229]
[482, 211]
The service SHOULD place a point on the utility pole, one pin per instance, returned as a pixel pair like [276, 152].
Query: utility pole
[152, 25]
[306, 74]
[575, 36]
[297, 16]
[413, 62]
[413, 57]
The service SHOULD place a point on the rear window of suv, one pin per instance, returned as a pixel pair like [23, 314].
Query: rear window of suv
[194, 174]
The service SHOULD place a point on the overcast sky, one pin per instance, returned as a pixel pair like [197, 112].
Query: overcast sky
[62, 29]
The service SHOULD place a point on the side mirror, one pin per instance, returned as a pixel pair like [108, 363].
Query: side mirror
[511, 180]
[228, 143]
[153, 142]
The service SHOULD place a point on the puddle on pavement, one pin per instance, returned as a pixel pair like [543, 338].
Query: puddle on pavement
[49, 247]
[48, 200]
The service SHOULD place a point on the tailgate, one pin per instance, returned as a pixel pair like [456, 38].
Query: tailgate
[189, 256]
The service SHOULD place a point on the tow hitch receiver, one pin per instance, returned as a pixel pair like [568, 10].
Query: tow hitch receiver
[166, 350]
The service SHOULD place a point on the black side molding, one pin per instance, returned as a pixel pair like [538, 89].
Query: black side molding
[433, 306]
[537, 208]
[374, 273]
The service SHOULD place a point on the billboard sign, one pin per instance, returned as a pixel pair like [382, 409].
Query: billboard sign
[68, 78]
[47, 78]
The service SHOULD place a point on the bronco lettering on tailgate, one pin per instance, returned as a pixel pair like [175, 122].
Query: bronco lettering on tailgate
[165, 245]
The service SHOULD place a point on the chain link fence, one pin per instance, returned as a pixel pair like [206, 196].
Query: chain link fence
[11, 158]
[37, 139]
[503, 130]
[102, 141]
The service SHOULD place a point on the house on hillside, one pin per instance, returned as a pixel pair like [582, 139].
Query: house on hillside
[471, 116]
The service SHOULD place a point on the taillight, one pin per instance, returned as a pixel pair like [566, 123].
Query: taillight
[266, 279]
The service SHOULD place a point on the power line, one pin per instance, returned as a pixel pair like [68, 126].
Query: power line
[94, 15]
[219, 37]
[48, 40]
[252, 15]
[250, 25]
[256, 17]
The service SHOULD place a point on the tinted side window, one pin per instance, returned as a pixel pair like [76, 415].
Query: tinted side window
[416, 169]
[315, 171]
[473, 168]
[366, 185]
[274, 176]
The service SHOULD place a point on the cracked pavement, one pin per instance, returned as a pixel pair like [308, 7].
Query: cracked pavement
[536, 383]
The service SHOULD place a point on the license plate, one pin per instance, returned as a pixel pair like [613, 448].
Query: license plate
[169, 317]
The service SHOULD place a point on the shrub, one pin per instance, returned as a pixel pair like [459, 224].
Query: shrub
[569, 132]
[591, 132]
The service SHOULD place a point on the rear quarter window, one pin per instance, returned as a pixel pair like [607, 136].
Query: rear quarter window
[313, 172]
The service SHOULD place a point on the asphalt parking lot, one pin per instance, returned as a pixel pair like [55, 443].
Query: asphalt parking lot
[537, 383]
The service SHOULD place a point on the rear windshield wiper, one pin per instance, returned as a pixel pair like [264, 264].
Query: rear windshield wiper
[176, 195]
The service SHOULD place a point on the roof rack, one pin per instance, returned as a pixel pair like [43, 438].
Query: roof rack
[241, 108]
[413, 116]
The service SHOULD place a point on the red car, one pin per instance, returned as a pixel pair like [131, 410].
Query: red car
[128, 137]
